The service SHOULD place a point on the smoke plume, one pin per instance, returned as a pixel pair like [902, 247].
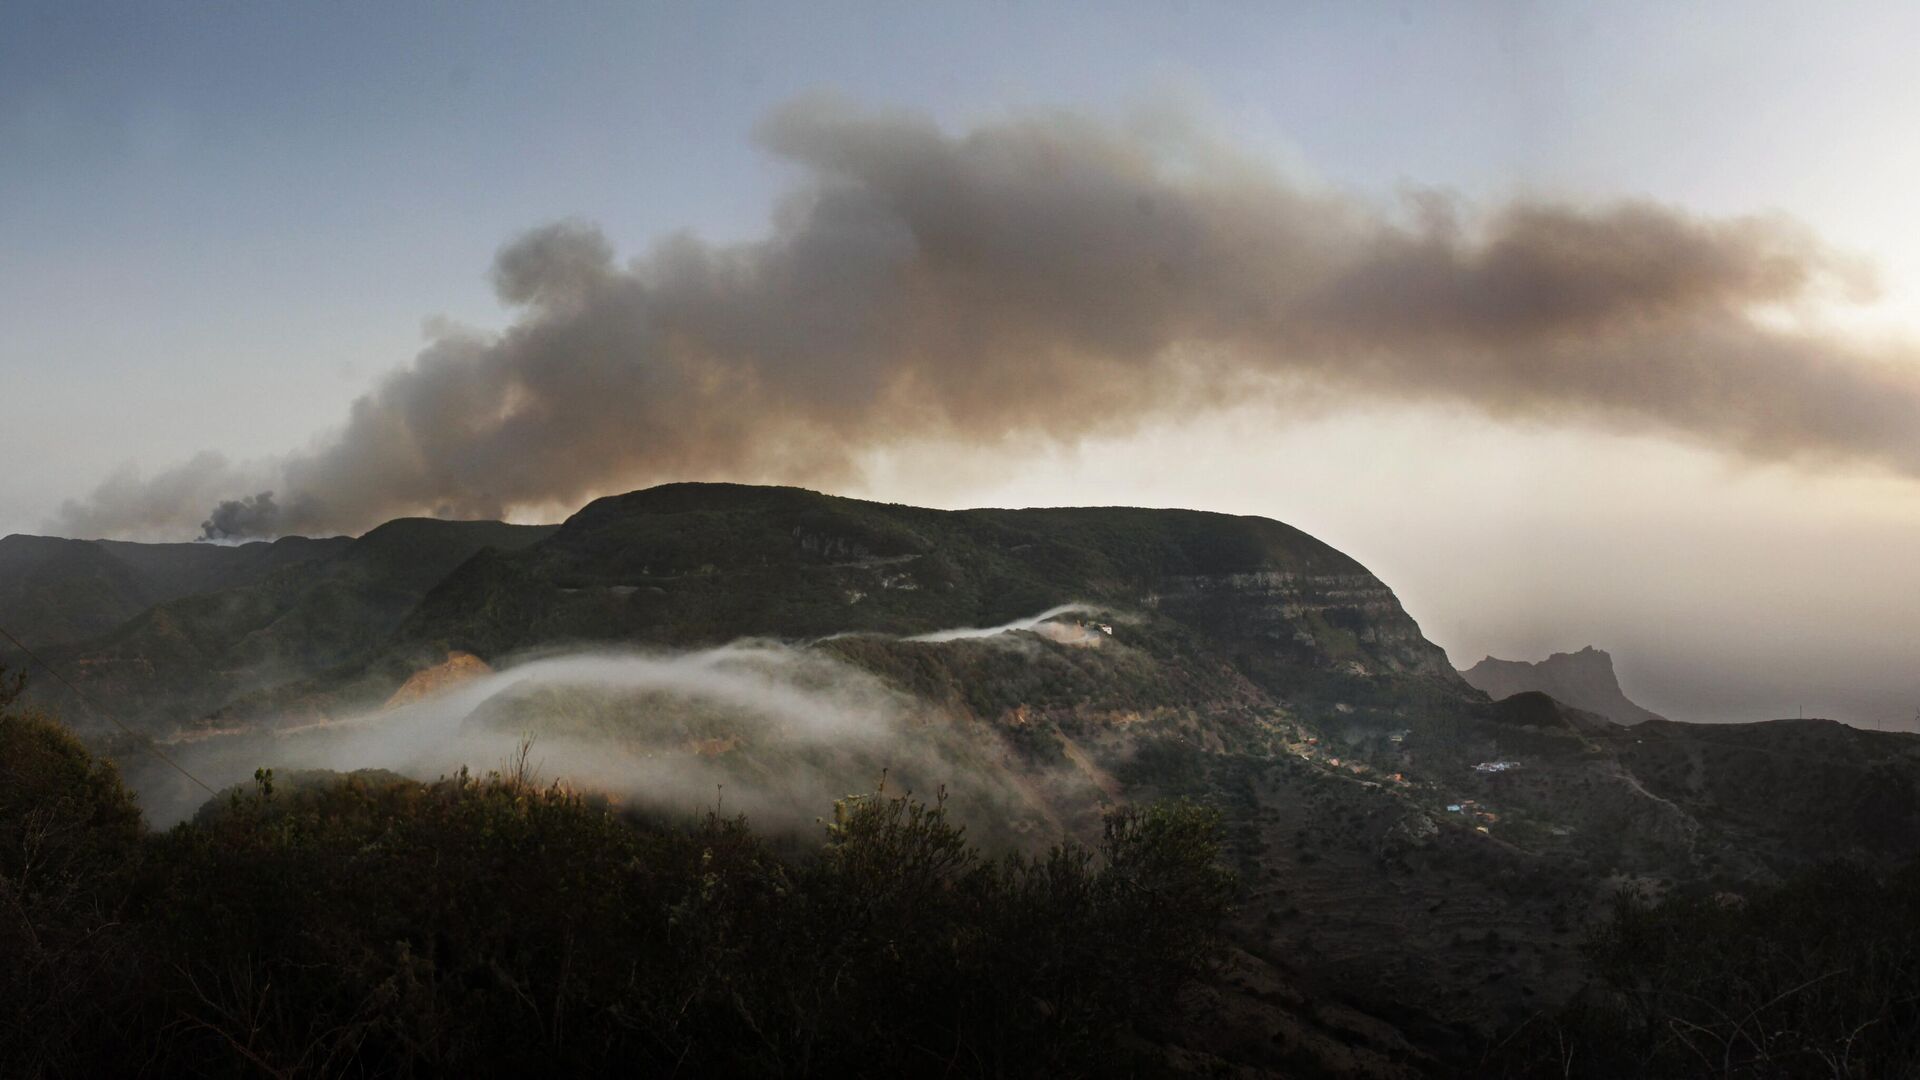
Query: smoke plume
[255, 515]
[967, 633]
[1056, 276]
[776, 731]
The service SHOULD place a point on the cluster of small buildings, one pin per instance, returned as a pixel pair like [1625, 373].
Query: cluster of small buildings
[1471, 809]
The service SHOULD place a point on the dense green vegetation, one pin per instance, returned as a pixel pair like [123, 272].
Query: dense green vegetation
[371, 925]
[1816, 976]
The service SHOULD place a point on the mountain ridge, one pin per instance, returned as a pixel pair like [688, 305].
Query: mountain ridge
[54, 590]
[290, 618]
[619, 567]
[1584, 679]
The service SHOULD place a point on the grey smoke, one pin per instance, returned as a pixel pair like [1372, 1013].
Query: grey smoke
[254, 515]
[1055, 276]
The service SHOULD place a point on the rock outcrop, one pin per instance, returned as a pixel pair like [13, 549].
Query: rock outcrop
[1584, 680]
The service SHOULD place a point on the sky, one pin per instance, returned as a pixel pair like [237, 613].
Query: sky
[222, 224]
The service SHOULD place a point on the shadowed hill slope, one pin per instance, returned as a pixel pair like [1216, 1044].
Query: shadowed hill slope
[55, 591]
[183, 659]
[690, 564]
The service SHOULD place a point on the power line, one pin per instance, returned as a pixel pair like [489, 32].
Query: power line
[97, 711]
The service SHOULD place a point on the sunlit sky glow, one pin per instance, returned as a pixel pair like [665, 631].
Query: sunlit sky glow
[220, 223]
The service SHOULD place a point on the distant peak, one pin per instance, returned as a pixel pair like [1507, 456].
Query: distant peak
[1587, 652]
[1583, 679]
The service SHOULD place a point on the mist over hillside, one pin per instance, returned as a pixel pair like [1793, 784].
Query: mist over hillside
[1426, 851]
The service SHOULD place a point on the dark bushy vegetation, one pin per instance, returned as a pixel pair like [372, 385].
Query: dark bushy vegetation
[368, 925]
[1818, 976]
[69, 838]
[709, 563]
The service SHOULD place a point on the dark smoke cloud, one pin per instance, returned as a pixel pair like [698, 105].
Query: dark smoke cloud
[1056, 276]
[254, 515]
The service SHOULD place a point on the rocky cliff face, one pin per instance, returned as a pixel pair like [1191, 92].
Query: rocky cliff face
[693, 564]
[1584, 680]
[1348, 621]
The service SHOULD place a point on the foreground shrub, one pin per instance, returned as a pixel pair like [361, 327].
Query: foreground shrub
[370, 925]
[69, 838]
[1818, 976]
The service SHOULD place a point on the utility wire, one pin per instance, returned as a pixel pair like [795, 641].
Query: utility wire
[91, 707]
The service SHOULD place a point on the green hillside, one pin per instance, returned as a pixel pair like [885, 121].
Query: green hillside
[182, 660]
[56, 591]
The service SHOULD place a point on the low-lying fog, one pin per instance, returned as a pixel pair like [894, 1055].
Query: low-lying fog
[774, 730]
